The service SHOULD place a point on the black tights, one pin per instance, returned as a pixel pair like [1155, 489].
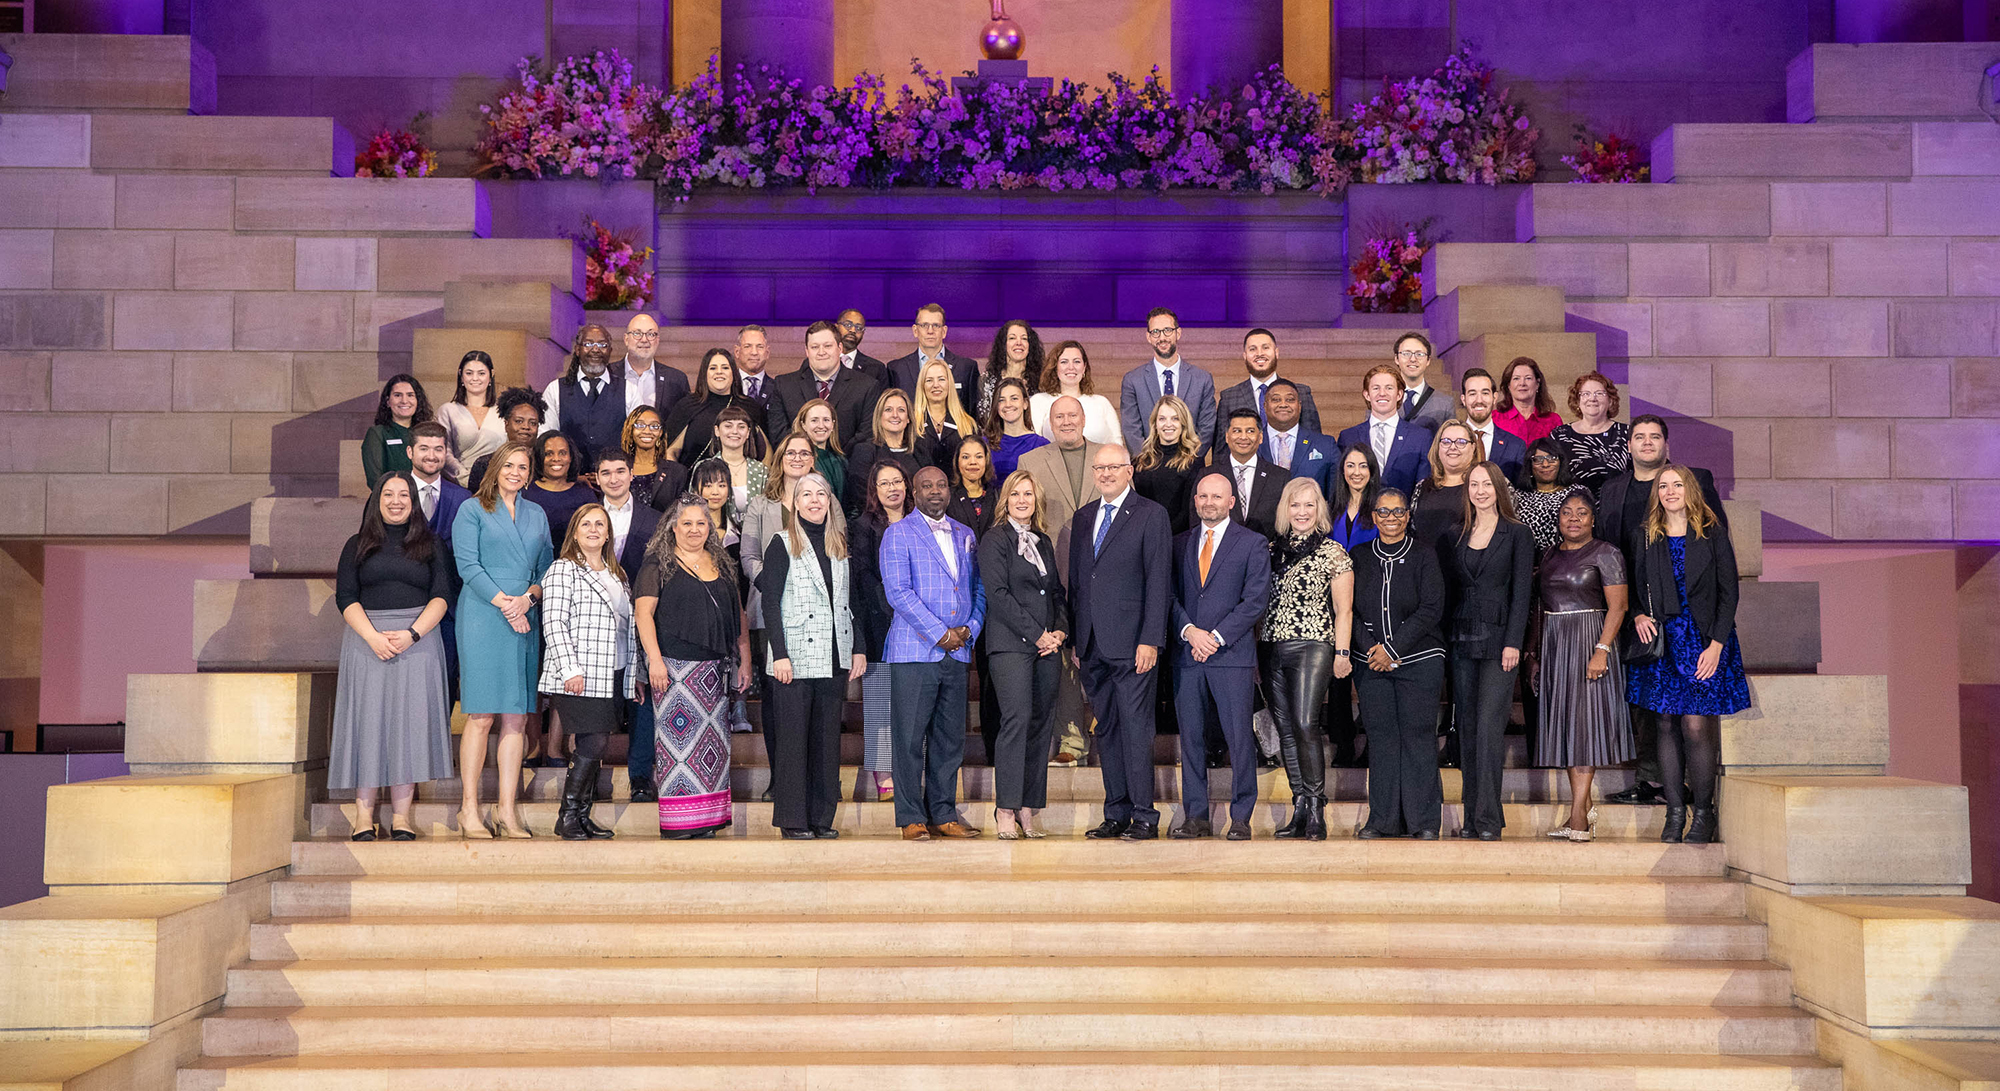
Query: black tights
[1698, 740]
[590, 747]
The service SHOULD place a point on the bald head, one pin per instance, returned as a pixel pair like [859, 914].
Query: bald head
[1066, 422]
[642, 340]
[933, 491]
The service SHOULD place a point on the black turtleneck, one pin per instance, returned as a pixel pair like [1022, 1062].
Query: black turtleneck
[693, 420]
[388, 579]
[771, 581]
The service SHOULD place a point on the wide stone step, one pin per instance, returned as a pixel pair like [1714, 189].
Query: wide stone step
[1147, 1070]
[425, 206]
[752, 819]
[988, 858]
[1134, 934]
[1016, 980]
[1027, 1028]
[1902, 81]
[220, 144]
[1644, 211]
[171, 74]
[1831, 152]
[924, 896]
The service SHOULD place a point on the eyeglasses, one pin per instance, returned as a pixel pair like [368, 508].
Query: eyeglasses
[1413, 354]
[1545, 460]
[1453, 442]
[644, 426]
[1391, 513]
[642, 335]
[597, 344]
[1592, 396]
[930, 325]
[798, 454]
[845, 325]
[1163, 331]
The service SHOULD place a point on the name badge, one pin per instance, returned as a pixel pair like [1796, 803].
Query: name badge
[392, 443]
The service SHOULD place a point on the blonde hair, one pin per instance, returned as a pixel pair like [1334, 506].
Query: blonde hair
[572, 550]
[882, 402]
[954, 410]
[1437, 444]
[1699, 515]
[489, 486]
[1293, 490]
[832, 438]
[1152, 454]
[836, 523]
[1037, 520]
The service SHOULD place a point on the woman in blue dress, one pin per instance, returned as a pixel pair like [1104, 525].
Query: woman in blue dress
[1685, 582]
[501, 543]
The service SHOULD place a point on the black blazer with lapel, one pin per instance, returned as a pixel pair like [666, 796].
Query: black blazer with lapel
[1119, 596]
[853, 398]
[1265, 487]
[1021, 603]
[645, 520]
[866, 365]
[1611, 510]
[1711, 581]
[964, 375]
[1490, 613]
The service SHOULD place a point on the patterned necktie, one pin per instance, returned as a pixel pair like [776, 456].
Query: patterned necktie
[430, 500]
[1103, 528]
[1284, 450]
[1207, 553]
[826, 390]
[756, 388]
[1168, 385]
[1261, 392]
[1243, 488]
[1383, 438]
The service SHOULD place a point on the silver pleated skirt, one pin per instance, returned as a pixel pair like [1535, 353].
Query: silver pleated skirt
[1583, 722]
[875, 719]
[391, 724]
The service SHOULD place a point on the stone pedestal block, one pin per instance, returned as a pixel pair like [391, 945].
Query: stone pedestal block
[294, 536]
[1779, 626]
[1580, 269]
[1924, 1064]
[1695, 153]
[227, 719]
[428, 265]
[1721, 210]
[541, 309]
[170, 73]
[353, 476]
[1563, 356]
[1746, 535]
[1840, 834]
[1825, 722]
[116, 963]
[1909, 966]
[267, 624]
[1933, 81]
[310, 146]
[212, 829]
[447, 206]
[1474, 310]
[518, 357]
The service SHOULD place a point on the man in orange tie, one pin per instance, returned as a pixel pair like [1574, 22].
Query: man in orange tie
[1222, 582]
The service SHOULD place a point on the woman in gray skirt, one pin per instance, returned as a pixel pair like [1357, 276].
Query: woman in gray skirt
[391, 726]
[1584, 722]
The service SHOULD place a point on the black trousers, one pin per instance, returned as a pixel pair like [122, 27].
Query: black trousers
[1023, 684]
[1482, 694]
[1296, 678]
[927, 739]
[1123, 701]
[1343, 729]
[804, 715]
[989, 704]
[1399, 710]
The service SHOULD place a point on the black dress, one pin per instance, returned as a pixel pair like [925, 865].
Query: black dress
[861, 464]
[559, 506]
[1171, 489]
[693, 419]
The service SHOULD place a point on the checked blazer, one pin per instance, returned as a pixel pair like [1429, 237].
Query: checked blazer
[925, 596]
[580, 634]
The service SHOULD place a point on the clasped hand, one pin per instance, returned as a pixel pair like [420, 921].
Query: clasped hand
[955, 638]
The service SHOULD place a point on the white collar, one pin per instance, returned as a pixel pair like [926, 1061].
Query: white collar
[618, 509]
[421, 483]
[1293, 431]
[1241, 465]
[1167, 367]
[1374, 420]
[1116, 501]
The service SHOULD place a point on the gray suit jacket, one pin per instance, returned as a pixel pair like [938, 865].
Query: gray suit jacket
[1437, 406]
[1140, 388]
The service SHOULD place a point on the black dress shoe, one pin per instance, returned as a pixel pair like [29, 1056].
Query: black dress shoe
[644, 791]
[1107, 830]
[1140, 831]
[798, 835]
[1463, 831]
[1489, 835]
[1425, 835]
[1369, 833]
[826, 833]
[1640, 792]
[1192, 829]
[1238, 831]
[766, 797]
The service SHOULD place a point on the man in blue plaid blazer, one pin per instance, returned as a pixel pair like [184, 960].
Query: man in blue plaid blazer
[930, 571]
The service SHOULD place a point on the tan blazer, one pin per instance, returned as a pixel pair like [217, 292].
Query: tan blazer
[1059, 502]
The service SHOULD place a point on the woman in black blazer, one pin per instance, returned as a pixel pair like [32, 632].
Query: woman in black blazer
[1398, 613]
[1492, 567]
[1686, 582]
[1027, 623]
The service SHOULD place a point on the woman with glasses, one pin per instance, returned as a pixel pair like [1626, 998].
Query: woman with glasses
[1541, 490]
[1598, 445]
[643, 440]
[791, 460]
[1438, 507]
[1399, 603]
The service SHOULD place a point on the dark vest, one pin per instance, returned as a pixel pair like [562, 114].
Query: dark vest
[593, 424]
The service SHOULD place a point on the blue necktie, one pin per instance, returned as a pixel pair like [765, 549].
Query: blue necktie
[1169, 384]
[1103, 528]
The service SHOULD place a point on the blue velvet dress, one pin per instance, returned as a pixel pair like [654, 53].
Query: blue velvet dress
[1668, 685]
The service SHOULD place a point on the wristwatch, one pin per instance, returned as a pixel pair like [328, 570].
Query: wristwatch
[1340, 653]
[414, 635]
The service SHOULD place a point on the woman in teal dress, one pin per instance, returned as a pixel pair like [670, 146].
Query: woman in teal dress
[501, 542]
[386, 447]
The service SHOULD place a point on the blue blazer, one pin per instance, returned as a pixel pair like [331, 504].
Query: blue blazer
[450, 495]
[1119, 596]
[1315, 455]
[1409, 453]
[496, 554]
[1140, 388]
[1233, 600]
[926, 597]
[1509, 451]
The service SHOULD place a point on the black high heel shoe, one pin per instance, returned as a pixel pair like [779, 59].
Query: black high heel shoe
[1676, 823]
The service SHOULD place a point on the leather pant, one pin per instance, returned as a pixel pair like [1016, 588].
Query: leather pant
[1296, 674]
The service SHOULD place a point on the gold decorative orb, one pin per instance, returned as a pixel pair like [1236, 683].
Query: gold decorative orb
[1001, 40]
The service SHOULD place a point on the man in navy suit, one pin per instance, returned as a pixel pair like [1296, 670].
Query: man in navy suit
[1402, 447]
[1120, 581]
[439, 497]
[1222, 582]
[1291, 444]
[632, 527]
[1166, 373]
[1475, 395]
[930, 332]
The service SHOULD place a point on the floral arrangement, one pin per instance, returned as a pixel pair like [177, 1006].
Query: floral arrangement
[1388, 276]
[586, 116]
[617, 269]
[754, 129]
[1610, 158]
[396, 153]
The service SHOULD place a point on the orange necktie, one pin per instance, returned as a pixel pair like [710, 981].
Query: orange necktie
[1207, 553]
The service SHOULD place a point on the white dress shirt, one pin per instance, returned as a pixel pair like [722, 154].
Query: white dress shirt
[847, 358]
[751, 381]
[552, 397]
[621, 525]
[1246, 476]
[941, 533]
[1381, 436]
[1160, 373]
[1108, 509]
[1211, 539]
[1485, 434]
[427, 493]
[641, 388]
[1284, 445]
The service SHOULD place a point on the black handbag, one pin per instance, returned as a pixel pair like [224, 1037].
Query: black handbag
[1636, 652]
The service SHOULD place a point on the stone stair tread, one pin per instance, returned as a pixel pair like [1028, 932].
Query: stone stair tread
[626, 1009]
[1149, 917]
[814, 962]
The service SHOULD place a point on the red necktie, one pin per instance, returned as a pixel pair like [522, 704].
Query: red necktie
[826, 390]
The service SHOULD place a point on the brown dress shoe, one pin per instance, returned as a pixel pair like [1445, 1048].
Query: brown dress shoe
[916, 831]
[956, 830]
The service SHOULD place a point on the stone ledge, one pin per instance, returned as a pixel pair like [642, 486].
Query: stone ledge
[1837, 720]
[1473, 310]
[1848, 831]
[1648, 210]
[1932, 81]
[240, 719]
[165, 73]
[134, 830]
[232, 145]
[1910, 1064]
[266, 625]
[1888, 966]
[445, 206]
[1686, 153]
[534, 307]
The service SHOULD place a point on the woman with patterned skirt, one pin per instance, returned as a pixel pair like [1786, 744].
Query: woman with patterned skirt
[691, 626]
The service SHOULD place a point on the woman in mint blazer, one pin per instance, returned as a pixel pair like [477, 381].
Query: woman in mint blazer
[501, 542]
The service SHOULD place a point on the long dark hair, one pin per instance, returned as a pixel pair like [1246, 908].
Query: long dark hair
[492, 381]
[996, 429]
[385, 419]
[996, 357]
[712, 470]
[1525, 480]
[1343, 495]
[660, 549]
[957, 476]
[871, 503]
[735, 376]
[417, 536]
[542, 453]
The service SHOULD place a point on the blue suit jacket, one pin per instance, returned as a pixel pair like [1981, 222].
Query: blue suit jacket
[1118, 596]
[450, 495]
[644, 522]
[926, 597]
[1315, 456]
[1509, 451]
[1140, 388]
[1233, 600]
[1409, 454]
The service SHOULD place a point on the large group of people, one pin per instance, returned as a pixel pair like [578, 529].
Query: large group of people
[626, 551]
